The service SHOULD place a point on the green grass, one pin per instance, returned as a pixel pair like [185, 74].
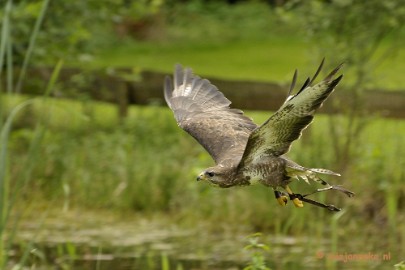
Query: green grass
[247, 41]
[11, 184]
[267, 59]
[264, 60]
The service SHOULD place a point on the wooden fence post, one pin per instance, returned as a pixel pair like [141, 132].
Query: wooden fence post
[122, 98]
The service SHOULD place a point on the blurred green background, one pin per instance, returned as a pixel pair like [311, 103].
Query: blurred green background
[83, 186]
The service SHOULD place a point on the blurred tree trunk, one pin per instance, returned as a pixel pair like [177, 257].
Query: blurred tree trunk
[122, 99]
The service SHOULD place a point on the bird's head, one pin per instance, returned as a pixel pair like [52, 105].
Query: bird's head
[218, 176]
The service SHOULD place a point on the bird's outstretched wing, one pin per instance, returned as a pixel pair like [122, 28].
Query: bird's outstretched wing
[275, 136]
[203, 111]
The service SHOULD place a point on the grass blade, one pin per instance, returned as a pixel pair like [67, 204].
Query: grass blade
[31, 45]
[5, 33]
[32, 156]
[4, 203]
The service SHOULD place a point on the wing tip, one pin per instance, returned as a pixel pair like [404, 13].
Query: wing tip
[309, 80]
[336, 81]
[293, 82]
[178, 75]
[168, 89]
[178, 66]
[333, 72]
[317, 71]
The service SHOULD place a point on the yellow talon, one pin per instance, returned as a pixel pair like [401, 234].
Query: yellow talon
[282, 200]
[297, 202]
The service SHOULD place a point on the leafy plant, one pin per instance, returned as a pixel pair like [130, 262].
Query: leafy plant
[76, 28]
[400, 266]
[257, 251]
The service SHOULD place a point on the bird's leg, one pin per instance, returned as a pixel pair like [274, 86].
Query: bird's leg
[330, 207]
[329, 187]
[282, 199]
[298, 198]
[297, 202]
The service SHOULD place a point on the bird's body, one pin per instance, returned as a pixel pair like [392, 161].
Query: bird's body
[245, 153]
[270, 172]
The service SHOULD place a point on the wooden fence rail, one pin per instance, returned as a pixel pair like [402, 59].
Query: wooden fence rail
[125, 87]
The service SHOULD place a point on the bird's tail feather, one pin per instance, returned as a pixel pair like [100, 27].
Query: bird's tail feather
[297, 171]
[307, 174]
[323, 171]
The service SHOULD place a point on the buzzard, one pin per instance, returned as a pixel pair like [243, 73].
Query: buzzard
[245, 153]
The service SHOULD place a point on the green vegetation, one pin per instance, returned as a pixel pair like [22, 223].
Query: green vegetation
[148, 165]
[256, 249]
[75, 155]
[246, 41]
[266, 60]
[136, 164]
[256, 42]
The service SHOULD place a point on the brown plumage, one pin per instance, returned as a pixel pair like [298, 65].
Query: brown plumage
[245, 153]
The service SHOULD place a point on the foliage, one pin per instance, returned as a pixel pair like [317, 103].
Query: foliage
[400, 266]
[72, 29]
[10, 190]
[357, 39]
[146, 165]
[256, 250]
[106, 163]
[76, 154]
[216, 21]
[213, 37]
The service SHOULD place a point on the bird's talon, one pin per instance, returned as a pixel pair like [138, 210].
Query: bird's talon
[294, 197]
[298, 203]
[282, 200]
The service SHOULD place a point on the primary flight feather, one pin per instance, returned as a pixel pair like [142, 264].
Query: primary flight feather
[245, 153]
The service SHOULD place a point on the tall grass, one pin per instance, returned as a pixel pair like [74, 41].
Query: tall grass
[31, 45]
[147, 163]
[11, 184]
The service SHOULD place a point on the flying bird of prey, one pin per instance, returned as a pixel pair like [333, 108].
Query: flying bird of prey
[245, 153]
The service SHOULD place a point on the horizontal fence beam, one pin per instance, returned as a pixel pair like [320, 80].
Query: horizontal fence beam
[124, 87]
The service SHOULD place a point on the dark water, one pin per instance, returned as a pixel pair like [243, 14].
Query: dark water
[145, 244]
[163, 254]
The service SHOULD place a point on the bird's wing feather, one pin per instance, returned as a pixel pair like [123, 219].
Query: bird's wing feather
[275, 136]
[203, 111]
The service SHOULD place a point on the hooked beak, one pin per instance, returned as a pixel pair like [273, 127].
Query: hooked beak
[200, 177]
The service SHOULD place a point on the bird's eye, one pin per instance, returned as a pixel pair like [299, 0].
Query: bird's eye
[210, 174]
